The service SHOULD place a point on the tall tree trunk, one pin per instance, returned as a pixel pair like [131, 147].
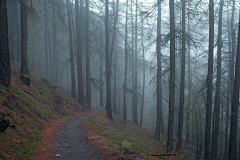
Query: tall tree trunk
[232, 152]
[221, 126]
[18, 39]
[230, 82]
[216, 114]
[118, 101]
[189, 85]
[50, 58]
[101, 67]
[172, 79]
[111, 53]
[231, 73]
[88, 81]
[46, 41]
[159, 74]
[125, 72]
[12, 30]
[143, 91]
[108, 67]
[133, 97]
[24, 53]
[162, 123]
[5, 72]
[55, 51]
[73, 89]
[182, 85]
[114, 83]
[233, 40]
[73, 29]
[79, 56]
[33, 53]
[209, 83]
[136, 61]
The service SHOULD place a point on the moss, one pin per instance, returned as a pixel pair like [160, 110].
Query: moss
[127, 137]
[2, 156]
[38, 132]
[29, 108]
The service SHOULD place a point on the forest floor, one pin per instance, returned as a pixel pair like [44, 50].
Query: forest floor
[50, 124]
[70, 141]
[132, 140]
[31, 110]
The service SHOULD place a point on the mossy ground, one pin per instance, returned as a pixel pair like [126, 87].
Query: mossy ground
[131, 139]
[31, 109]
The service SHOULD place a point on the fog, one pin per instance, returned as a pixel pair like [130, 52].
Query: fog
[132, 63]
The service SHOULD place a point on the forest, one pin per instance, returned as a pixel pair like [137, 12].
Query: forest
[172, 66]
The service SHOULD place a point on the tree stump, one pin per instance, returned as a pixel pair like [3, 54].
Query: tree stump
[26, 79]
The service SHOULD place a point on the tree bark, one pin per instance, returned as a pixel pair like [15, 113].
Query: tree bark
[115, 83]
[159, 74]
[232, 152]
[18, 39]
[55, 51]
[101, 67]
[108, 67]
[143, 90]
[231, 74]
[132, 58]
[24, 53]
[172, 79]
[125, 72]
[5, 72]
[216, 114]
[79, 56]
[189, 86]
[135, 64]
[182, 85]
[209, 83]
[46, 41]
[111, 53]
[88, 81]
[73, 89]
[230, 82]
[12, 30]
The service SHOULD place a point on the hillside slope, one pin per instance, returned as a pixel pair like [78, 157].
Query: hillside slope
[133, 140]
[30, 110]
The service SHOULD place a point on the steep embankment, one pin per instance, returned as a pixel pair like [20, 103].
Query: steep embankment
[30, 110]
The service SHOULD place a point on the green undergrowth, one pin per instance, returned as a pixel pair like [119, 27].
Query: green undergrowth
[30, 110]
[131, 139]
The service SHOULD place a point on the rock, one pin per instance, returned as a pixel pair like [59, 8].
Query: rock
[58, 155]
[91, 137]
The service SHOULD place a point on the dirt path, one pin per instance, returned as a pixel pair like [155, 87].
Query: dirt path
[70, 139]
[67, 140]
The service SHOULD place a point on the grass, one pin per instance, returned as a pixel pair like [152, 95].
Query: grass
[124, 137]
[30, 109]
[129, 138]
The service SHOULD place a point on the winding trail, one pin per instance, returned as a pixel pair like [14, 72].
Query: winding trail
[70, 139]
